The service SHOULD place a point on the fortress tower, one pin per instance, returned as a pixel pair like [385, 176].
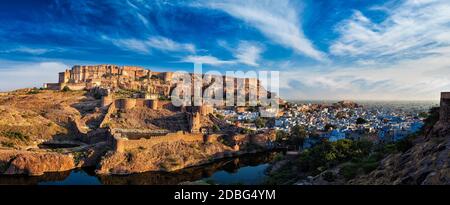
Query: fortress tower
[195, 122]
[126, 104]
[445, 107]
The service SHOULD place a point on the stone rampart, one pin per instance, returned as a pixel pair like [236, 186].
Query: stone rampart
[120, 142]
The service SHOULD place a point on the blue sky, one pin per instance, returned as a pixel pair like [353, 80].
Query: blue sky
[324, 49]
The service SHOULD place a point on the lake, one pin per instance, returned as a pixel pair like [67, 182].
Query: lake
[247, 169]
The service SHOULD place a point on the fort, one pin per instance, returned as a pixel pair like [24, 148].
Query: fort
[154, 84]
[114, 77]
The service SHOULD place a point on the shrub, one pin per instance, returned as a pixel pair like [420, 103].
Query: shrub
[66, 89]
[16, 135]
[8, 144]
[403, 145]
[361, 121]
[281, 135]
[329, 176]
[216, 128]
[369, 167]
[34, 91]
[349, 171]
[278, 157]
[260, 122]
[219, 116]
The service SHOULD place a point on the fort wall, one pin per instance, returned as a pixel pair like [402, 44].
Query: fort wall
[52, 86]
[120, 142]
[111, 110]
[73, 86]
[130, 103]
[107, 100]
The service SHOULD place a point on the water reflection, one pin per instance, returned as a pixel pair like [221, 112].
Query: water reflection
[247, 169]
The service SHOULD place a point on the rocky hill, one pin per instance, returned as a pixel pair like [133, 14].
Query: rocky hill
[425, 163]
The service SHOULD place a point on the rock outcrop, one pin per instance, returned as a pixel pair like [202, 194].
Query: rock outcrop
[35, 164]
[426, 163]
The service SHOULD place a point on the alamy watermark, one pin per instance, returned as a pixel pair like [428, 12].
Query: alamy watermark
[235, 88]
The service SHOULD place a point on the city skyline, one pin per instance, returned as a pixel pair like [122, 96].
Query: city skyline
[357, 50]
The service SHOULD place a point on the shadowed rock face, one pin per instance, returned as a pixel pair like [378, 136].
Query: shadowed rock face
[444, 115]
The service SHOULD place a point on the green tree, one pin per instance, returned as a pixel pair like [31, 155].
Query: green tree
[298, 135]
[281, 135]
[66, 89]
[260, 122]
[361, 121]
[329, 127]
[216, 128]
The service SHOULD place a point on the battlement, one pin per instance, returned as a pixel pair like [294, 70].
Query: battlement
[445, 107]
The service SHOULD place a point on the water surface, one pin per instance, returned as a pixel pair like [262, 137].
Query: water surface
[248, 169]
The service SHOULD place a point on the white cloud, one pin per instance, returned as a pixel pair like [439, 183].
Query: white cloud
[135, 45]
[211, 60]
[27, 75]
[28, 50]
[248, 53]
[414, 79]
[278, 20]
[404, 57]
[155, 42]
[166, 44]
[412, 29]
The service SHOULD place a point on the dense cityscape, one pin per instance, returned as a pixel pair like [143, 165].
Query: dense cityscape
[387, 122]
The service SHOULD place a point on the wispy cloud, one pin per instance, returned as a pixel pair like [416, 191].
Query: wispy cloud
[155, 42]
[210, 60]
[413, 79]
[278, 20]
[412, 29]
[404, 57]
[248, 53]
[166, 44]
[28, 50]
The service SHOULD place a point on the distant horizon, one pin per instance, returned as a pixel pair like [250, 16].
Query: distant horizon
[300, 100]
